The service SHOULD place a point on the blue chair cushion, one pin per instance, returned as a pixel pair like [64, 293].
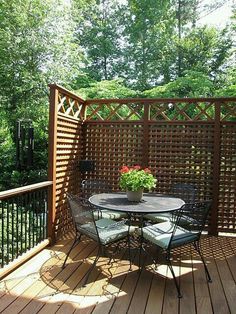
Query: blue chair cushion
[162, 217]
[158, 217]
[160, 234]
[109, 214]
[108, 230]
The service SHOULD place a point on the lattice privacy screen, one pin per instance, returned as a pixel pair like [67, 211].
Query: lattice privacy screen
[187, 140]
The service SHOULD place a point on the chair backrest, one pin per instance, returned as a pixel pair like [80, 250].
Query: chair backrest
[185, 191]
[189, 223]
[90, 187]
[82, 215]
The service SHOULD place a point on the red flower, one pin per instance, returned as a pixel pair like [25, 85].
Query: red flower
[124, 169]
[147, 170]
[137, 167]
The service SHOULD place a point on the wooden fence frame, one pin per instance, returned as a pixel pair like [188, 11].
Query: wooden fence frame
[83, 121]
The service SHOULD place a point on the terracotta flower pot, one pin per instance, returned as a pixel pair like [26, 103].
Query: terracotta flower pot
[135, 196]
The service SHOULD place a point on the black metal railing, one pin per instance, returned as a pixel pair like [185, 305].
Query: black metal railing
[23, 220]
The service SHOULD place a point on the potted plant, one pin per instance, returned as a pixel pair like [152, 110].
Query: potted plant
[134, 180]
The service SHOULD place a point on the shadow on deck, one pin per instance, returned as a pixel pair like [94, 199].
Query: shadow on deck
[42, 286]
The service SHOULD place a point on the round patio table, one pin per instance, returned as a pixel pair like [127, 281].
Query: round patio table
[150, 204]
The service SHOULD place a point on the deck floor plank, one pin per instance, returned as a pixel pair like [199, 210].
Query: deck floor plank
[227, 279]
[229, 248]
[50, 272]
[71, 275]
[219, 302]
[122, 301]
[41, 286]
[187, 302]
[157, 290]
[114, 285]
[201, 286]
[30, 268]
[31, 291]
[140, 296]
[13, 291]
[171, 302]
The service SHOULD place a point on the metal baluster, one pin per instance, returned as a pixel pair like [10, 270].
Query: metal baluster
[21, 222]
[29, 214]
[17, 226]
[33, 215]
[12, 229]
[25, 221]
[39, 216]
[2, 234]
[45, 214]
[7, 232]
[41, 235]
[42, 217]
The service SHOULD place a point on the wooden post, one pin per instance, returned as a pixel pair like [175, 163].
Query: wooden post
[52, 161]
[145, 150]
[216, 172]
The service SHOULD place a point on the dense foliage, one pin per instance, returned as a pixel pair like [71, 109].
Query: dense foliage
[103, 49]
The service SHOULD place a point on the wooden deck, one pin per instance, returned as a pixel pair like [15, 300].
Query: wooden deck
[41, 286]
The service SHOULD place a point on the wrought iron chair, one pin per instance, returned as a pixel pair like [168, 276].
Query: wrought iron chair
[172, 234]
[185, 191]
[104, 231]
[90, 187]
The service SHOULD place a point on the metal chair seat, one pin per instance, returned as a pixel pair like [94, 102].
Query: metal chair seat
[185, 191]
[104, 231]
[185, 226]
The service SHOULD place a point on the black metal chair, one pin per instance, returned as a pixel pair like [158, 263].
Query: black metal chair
[94, 186]
[185, 191]
[91, 187]
[174, 233]
[104, 231]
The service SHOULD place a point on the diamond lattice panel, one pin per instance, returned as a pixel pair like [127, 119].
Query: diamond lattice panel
[175, 111]
[114, 112]
[228, 111]
[69, 106]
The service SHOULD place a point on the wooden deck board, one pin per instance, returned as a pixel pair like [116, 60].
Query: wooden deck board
[218, 298]
[201, 288]
[42, 286]
[187, 302]
[54, 276]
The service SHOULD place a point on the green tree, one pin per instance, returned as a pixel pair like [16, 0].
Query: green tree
[145, 24]
[192, 84]
[205, 50]
[37, 47]
[98, 34]
[107, 89]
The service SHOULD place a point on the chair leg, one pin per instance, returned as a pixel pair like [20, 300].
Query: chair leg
[113, 253]
[198, 249]
[140, 253]
[173, 274]
[92, 267]
[141, 242]
[154, 260]
[77, 238]
[128, 242]
[129, 254]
